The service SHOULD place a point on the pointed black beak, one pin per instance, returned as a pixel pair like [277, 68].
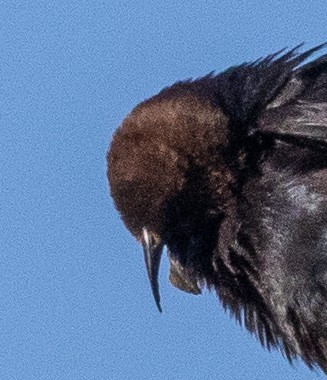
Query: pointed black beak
[152, 255]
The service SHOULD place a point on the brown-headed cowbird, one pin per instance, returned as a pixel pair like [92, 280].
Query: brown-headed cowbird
[229, 172]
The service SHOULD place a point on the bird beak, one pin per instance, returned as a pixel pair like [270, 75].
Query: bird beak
[152, 255]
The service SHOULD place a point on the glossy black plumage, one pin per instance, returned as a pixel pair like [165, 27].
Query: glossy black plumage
[230, 173]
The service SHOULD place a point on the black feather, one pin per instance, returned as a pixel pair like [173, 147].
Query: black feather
[229, 171]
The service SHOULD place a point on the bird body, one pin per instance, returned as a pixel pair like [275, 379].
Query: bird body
[229, 172]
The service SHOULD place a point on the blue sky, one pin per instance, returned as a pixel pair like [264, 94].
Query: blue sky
[75, 302]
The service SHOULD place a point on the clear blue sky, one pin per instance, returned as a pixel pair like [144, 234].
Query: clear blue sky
[75, 302]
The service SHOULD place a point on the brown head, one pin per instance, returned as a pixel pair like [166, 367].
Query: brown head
[169, 178]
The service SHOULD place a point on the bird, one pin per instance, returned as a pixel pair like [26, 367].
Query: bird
[228, 174]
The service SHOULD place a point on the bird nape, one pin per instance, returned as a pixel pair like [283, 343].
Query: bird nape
[229, 172]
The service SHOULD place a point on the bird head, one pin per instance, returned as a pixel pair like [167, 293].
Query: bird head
[170, 181]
